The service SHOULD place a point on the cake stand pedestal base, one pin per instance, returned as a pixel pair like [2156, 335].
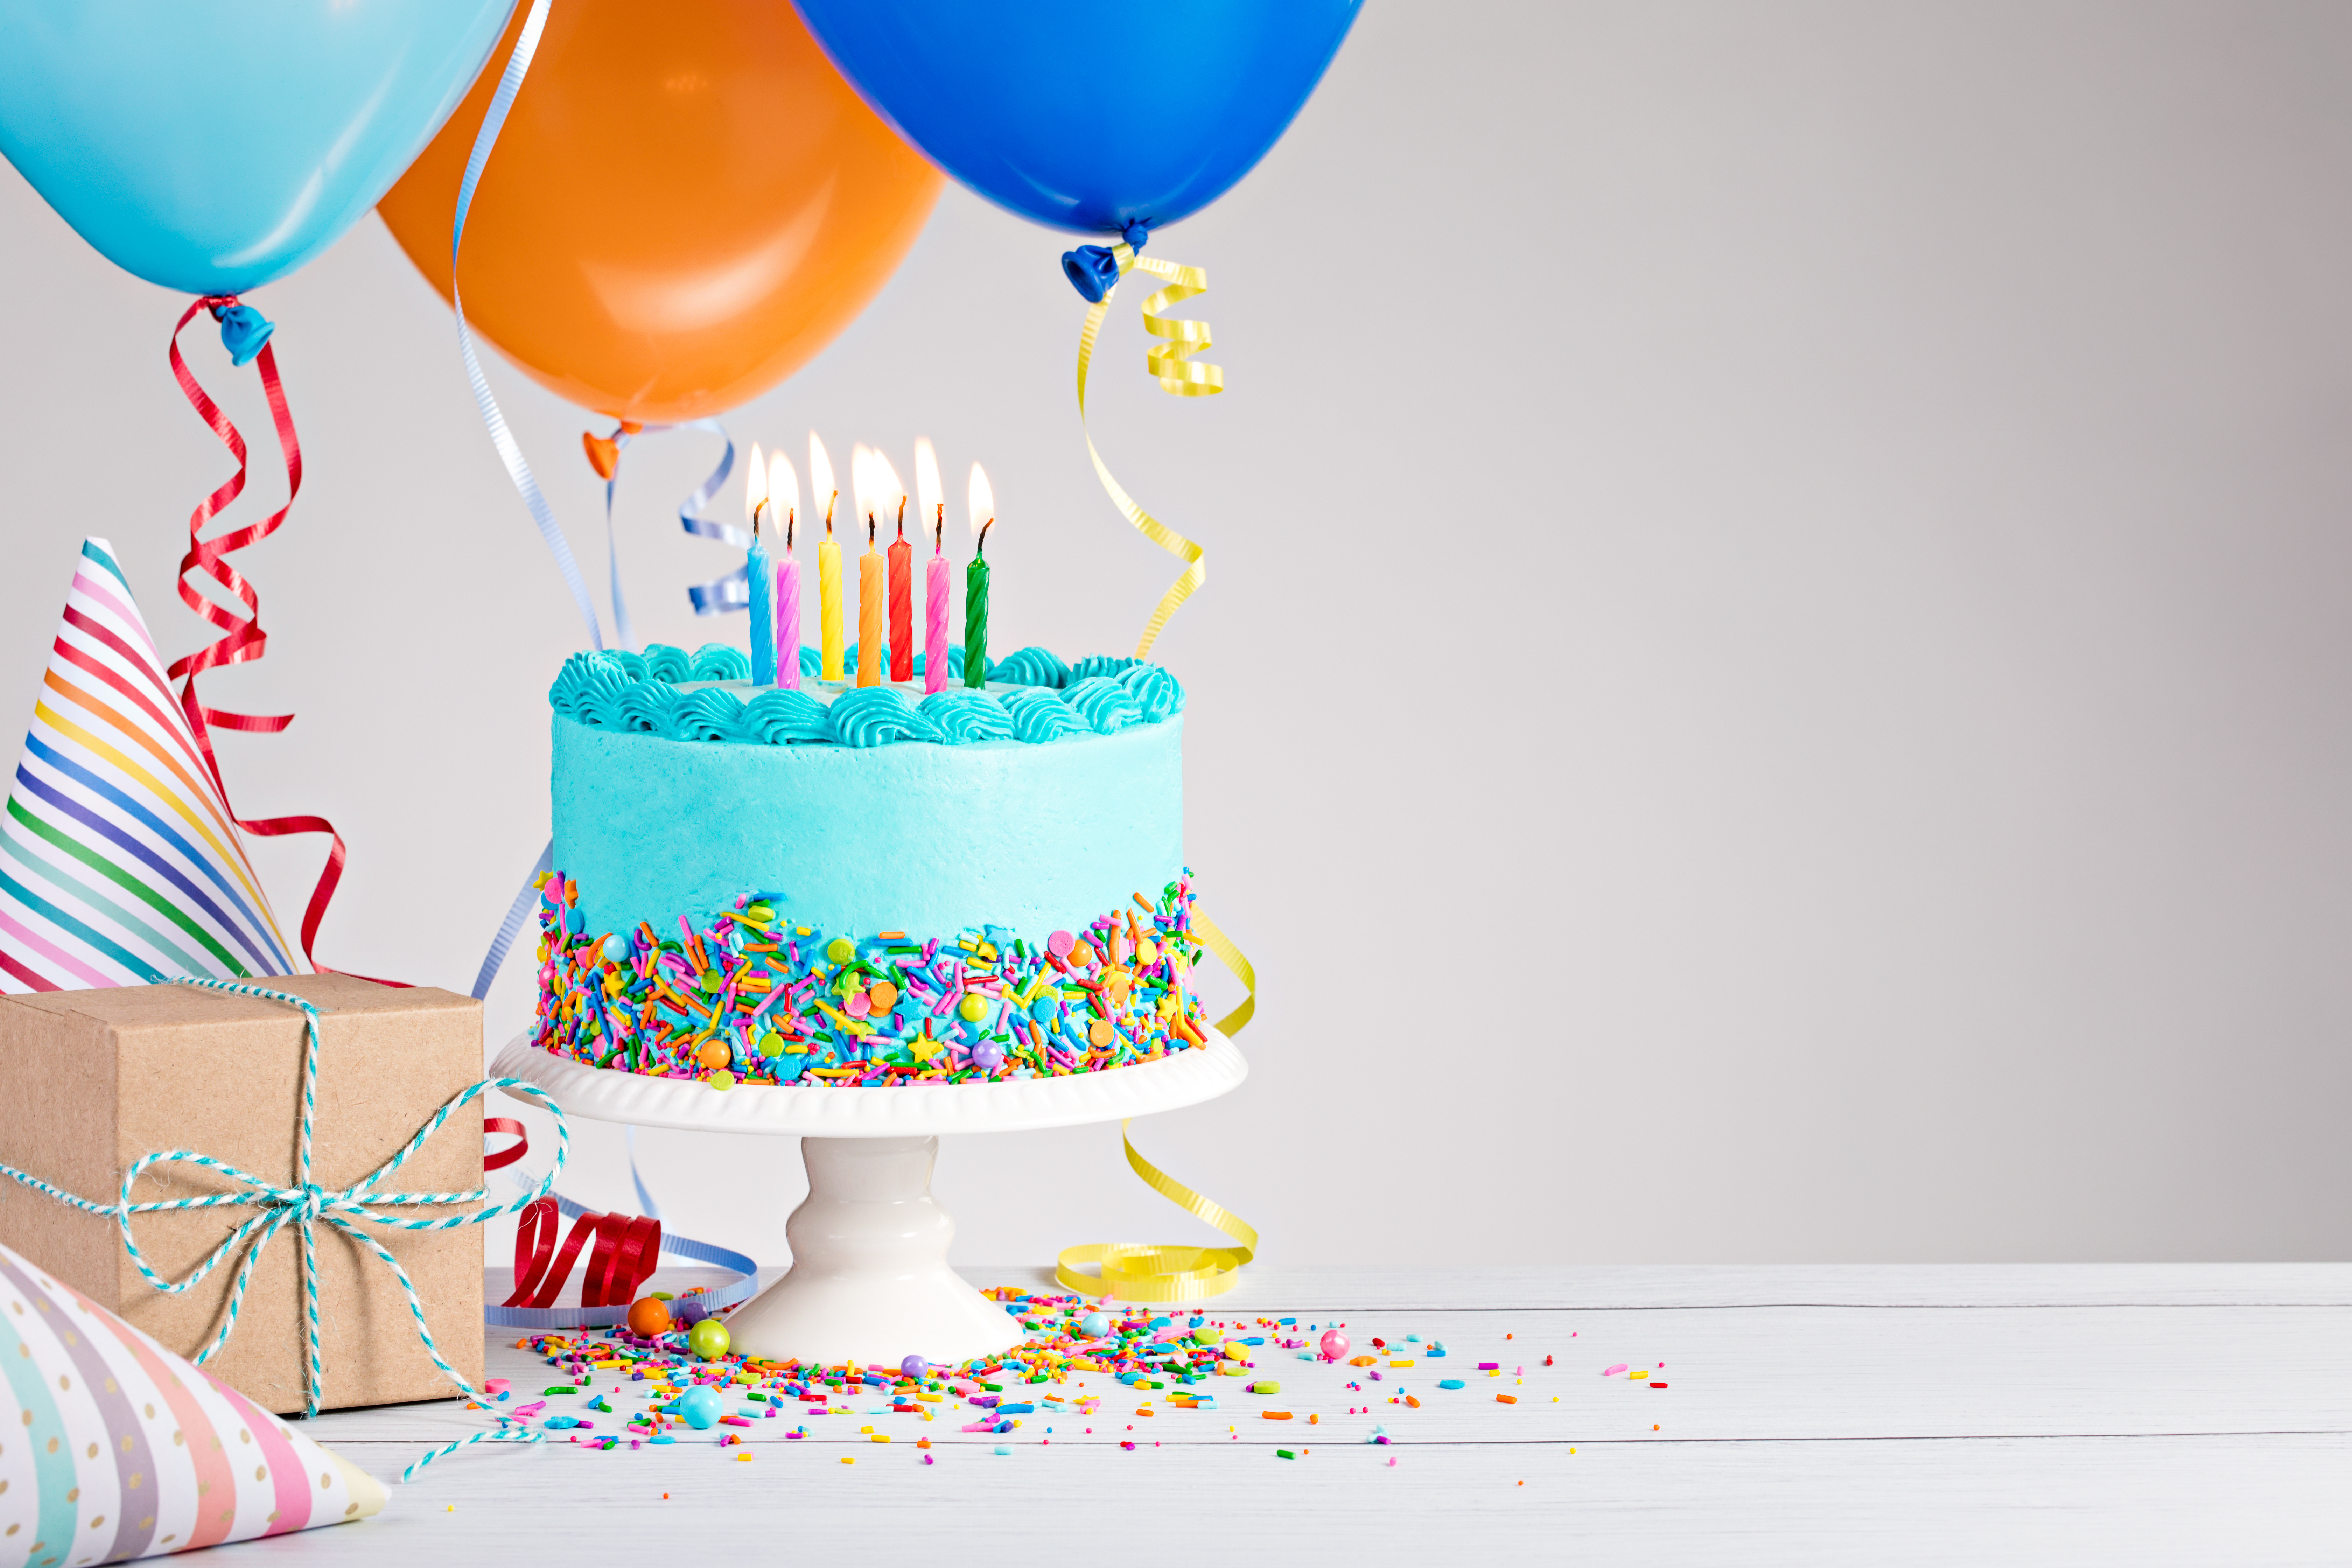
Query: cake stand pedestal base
[869, 1282]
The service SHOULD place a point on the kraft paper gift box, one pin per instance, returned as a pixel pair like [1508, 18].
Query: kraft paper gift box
[93, 1080]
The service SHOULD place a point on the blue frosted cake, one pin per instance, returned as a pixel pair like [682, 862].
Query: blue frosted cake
[865, 886]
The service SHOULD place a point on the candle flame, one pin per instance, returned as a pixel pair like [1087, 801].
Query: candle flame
[929, 491]
[983, 500]
[755, 487]
[862, 484]
[890, 494]
[783, 490]
[822, 488]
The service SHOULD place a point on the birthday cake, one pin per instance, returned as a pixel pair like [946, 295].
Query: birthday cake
[865, 886]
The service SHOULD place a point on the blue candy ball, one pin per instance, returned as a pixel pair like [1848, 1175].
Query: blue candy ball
[1094, 1325]
[700, 1408]
[617, 949]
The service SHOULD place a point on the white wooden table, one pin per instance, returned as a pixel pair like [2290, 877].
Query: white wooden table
[1965, 1415]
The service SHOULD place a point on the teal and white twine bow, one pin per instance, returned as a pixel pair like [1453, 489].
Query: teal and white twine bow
[305, 1204]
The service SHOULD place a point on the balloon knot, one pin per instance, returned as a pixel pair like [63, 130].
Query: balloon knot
[1092, 270]
[245, 332]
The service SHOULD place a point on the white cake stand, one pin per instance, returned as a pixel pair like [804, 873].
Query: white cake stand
[869, 1282]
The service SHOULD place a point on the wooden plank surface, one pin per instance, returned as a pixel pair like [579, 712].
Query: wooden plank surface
[2040, 1414]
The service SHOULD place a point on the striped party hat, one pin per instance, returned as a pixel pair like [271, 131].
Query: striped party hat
[120, 1449]
[118, 862]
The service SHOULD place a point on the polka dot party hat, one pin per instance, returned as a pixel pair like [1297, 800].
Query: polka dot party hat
[120, 1449]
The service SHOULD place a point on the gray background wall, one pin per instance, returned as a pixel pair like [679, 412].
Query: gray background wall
[1771, 681]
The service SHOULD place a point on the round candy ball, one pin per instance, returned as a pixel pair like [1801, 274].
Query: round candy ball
[700, 1406]
[972, 1009]
[1205, 1335]
[988, 1056]
[648, 1316]
[1094, 1325]
[617, 949]
[687, 1311]
[708, 1338]
[1334, 1345]
[915, 1367]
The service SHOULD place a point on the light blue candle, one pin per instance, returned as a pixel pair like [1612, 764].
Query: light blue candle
[763, 610]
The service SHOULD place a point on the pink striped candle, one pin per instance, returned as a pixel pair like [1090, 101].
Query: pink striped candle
[935, 611]
[788, 622]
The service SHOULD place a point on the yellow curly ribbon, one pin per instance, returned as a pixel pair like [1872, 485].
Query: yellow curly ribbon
[1231, 957]
[1140, 1271]
[1179, 376]
[1144, 1271]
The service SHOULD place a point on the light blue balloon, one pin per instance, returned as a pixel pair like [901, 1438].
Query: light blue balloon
[213, 148]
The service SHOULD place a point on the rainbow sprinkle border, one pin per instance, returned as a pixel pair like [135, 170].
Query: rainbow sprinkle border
[749, 1000]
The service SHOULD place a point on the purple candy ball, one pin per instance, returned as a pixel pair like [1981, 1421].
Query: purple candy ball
[915, 1367]
[988, 1056]
[686, 1311]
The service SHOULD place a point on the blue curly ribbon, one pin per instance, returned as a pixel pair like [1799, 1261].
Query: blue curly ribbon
[305, 1204]
[493, 418]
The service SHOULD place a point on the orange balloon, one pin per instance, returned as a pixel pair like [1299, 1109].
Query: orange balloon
[686, 205]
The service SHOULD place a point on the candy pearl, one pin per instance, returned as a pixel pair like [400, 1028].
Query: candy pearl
[915, 1367]
[988, 1056]
[617, 949]
[686, 1311]
[1094, 1325]
[701, 1407]
[1334, 1345]
[648, 1317]
[708, 1339]
[972, 1008]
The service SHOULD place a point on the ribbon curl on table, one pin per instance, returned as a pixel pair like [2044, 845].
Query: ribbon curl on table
[245, 334]
[1147, 1271]
[627, 1249]
[1097, 272]
[305, 1203]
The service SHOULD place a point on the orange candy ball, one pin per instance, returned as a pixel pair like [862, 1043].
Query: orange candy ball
[648, 1316]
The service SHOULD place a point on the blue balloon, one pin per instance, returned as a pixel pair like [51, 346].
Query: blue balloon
[213, 148]
[1080, 114]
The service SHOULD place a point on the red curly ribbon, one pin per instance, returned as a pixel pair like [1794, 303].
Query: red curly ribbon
[244, 640]
[513, 1151]
[627, 1248]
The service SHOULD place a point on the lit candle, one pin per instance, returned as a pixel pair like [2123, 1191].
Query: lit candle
[935, 571]
[784, 489]
[761, 574]
[935, 608]
[828, 561]
[865, 477]
[975, 582]
[902, 602]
